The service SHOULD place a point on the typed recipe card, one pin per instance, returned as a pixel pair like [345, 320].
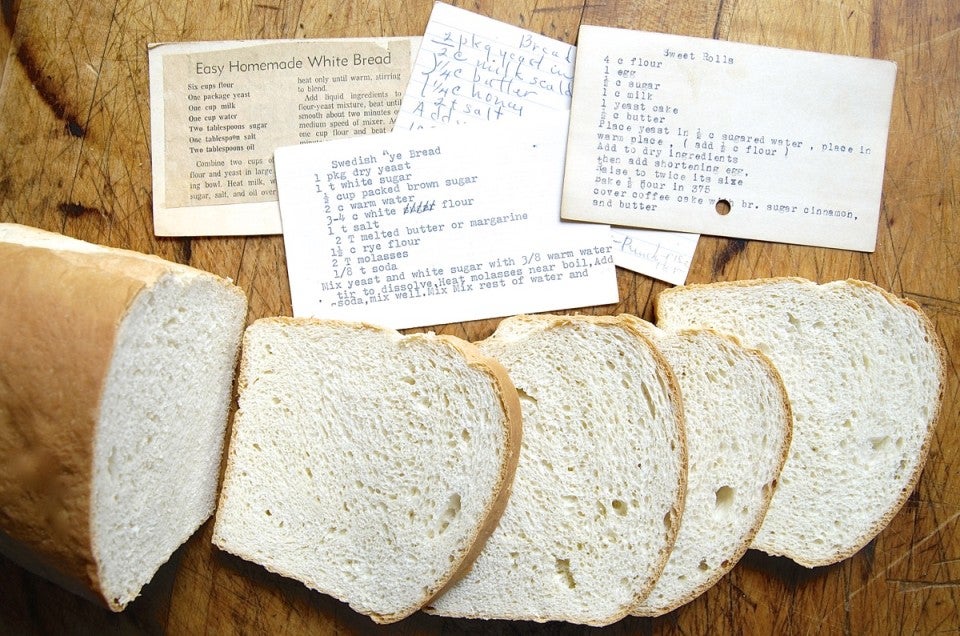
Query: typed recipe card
[696, 135]
[218, 110]
[412, 229]
[473, 68]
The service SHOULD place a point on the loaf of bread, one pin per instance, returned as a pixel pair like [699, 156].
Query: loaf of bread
[116, 372]
[599, 489]
[368, 465]
[738, 426]
[864, 372]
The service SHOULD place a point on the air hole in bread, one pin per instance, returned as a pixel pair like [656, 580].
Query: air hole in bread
[703, 565]
[619, 506]
[526, 397]
[112, 461]
[879, 443]
[450, 513]
[565, 574]
[651, 406]
[724, 497]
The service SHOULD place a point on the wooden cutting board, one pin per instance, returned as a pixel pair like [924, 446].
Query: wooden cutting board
[75, 158]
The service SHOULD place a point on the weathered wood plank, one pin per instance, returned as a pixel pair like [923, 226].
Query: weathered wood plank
[75, 157]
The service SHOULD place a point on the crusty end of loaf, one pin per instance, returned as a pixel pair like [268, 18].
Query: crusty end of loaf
[118, 361]
[160, 433]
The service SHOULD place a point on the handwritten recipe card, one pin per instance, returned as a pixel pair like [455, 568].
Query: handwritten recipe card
[698, 135]
[218, 110]
[437, 226]
[473, 68]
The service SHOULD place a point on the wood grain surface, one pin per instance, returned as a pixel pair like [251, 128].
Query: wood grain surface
[75, 158]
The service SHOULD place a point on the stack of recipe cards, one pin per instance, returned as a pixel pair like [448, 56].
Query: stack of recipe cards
[472, 68]
[439, 222]
[483, 170]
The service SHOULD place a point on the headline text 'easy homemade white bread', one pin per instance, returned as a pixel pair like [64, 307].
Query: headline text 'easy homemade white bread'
[368, 465]
[864, 371]
[116, 371]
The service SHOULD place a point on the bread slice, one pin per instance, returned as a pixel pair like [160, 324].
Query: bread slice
[368, 465]
[599, 489]
[738, 426]
[116, 374]
[864, 372]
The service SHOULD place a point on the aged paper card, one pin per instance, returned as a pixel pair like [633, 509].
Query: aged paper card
[696, 135]
[663, 255]
[219, 109]
[413, 229]
[472, 68]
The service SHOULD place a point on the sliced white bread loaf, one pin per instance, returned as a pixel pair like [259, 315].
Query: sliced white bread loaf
[864, 372]
[599, 489]
[116, 372]
[738, 427]
[368, 465]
